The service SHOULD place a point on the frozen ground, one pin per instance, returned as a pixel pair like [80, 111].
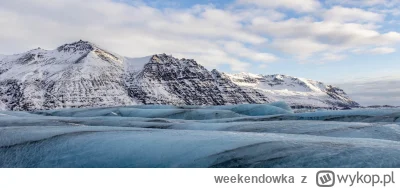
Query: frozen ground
[269, 135]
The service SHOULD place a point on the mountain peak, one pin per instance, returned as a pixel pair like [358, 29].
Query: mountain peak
[164, 58]
[79, 46]
[36, 50]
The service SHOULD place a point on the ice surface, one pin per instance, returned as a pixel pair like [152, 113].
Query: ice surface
[372, 115]
[188, 114]
[257, 109]
[366, 112]
[267, 135]
[171, 148]
[282, 105]
[365, 115]
[172, 112]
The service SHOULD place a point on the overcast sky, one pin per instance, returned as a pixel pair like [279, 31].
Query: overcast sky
[343, 42]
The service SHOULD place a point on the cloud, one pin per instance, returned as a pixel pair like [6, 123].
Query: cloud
[209, 59]
[332, 33]
[237, 35]
[332, 57]
[238, 49]
[305, 37]
[300, 6]
[301, 47]
[382, 50]
[130, 29]
[393, 11]
[376, 92]
[374, 51]
[342, 14]
[207, 22]
[364, 3]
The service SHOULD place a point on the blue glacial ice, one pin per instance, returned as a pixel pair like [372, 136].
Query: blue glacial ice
[137, 147]
[172, 112]
[262, 135]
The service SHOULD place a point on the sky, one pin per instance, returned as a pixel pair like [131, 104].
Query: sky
[349, 43]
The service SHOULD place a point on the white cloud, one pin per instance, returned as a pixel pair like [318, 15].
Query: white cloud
[253, 13]
[342, 14]
[238, 49]
[131, 30]
[300, 6]
[304, 37]
[332, 57]
[374, 91]
[301, 47]
[364, 3]
[233, 35]
[332, 33]
[209, 60]
[382, 50]
[374, 51]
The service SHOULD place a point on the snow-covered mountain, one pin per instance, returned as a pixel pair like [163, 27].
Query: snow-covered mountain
[82, 74]
[295, 91]
[167, 80]
[74, 75]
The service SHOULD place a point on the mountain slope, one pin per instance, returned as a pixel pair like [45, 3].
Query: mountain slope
[74, 75]
[295, 91]
[81, 74]
[168, 80]
[2, 106]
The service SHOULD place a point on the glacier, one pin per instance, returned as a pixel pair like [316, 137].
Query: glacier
[166, 136]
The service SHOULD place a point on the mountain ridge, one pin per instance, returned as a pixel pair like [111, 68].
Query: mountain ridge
[81, 74]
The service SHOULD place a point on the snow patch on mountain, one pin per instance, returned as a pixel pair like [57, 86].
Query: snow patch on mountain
[2, 106]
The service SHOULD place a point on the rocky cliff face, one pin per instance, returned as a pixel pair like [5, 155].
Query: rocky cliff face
[81, 74]
[167, 80]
